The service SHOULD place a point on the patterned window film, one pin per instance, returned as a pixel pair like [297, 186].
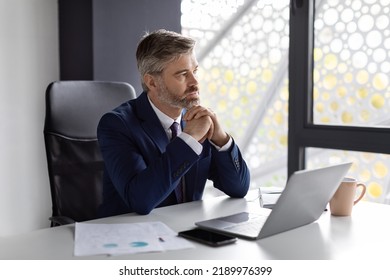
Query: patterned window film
[352, 83]
[243, 54]
[352, 63]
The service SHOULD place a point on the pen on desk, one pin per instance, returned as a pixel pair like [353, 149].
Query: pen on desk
[161, 239]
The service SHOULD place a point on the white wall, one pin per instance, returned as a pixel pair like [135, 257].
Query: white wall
[28, 63]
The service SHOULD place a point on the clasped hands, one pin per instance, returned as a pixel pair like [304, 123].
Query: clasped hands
[202, 124]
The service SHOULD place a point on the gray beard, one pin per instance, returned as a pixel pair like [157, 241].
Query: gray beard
[167, 97]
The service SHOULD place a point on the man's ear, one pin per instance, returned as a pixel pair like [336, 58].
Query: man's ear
[150, 81]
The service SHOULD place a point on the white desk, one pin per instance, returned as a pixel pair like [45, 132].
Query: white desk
[364, 235]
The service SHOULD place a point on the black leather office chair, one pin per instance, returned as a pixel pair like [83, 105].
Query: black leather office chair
[75, 165]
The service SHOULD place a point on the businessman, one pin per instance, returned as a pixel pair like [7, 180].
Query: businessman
[160, 148]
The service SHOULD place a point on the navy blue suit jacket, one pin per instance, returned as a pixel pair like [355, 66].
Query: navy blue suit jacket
[142, 167]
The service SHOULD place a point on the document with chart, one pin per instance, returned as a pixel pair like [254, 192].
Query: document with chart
[128, 238]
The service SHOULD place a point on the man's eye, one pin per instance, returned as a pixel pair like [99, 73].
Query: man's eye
[182, 74]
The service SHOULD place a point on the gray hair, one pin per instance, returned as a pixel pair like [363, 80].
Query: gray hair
[157, 49]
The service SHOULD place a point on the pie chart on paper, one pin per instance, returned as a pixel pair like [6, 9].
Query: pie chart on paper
[138, 244]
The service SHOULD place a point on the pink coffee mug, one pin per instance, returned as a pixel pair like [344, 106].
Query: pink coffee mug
[344, 199]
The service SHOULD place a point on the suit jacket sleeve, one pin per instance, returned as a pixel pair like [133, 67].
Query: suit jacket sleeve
[229, 172]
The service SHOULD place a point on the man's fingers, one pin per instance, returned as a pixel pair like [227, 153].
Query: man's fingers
[197, 113]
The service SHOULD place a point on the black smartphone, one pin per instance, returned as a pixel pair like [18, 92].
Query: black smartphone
[207, 237]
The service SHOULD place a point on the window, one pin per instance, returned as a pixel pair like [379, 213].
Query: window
[351, 82]
[339, 111]
[242, 49]
[308, 79]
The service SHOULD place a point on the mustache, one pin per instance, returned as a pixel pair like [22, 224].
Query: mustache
[191, 89]
[192, 103]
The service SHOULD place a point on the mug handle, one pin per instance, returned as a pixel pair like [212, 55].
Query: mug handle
[362, 192]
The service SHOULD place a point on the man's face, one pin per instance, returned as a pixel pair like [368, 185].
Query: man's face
[178, 84]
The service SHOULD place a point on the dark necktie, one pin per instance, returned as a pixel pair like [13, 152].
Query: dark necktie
[179, 190]
[175, 129]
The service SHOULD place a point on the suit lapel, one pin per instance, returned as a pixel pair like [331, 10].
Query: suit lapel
[150, 122]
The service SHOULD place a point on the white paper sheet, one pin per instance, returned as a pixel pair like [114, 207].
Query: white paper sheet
[115, 239]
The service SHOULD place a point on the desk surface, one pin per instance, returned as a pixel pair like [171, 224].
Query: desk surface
[364, 235]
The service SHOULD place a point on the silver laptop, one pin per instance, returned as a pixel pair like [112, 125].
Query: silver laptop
[302, 201]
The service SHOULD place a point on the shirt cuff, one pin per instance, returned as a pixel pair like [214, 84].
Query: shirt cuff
[190, 141]
[224, 147]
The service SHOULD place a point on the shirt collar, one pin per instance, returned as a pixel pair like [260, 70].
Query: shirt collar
[165, 120]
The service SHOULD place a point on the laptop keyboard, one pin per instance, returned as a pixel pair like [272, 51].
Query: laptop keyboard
[251, 227]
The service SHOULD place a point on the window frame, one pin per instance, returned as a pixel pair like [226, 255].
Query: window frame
[302, 132]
